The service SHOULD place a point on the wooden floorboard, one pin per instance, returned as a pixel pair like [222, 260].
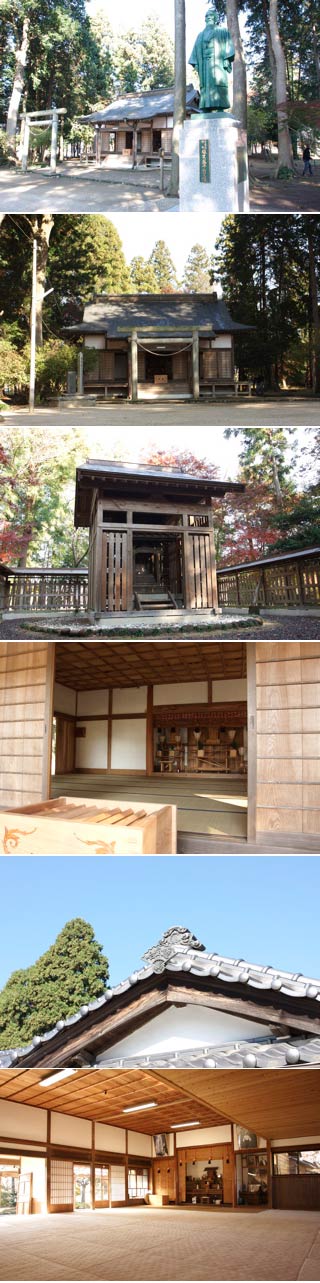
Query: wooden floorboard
[205, 806]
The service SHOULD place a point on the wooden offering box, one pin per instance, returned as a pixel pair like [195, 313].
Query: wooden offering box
[81, 826]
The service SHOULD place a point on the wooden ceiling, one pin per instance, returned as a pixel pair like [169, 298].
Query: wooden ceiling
[92, 665]
[274, 1103]
[103, 1094]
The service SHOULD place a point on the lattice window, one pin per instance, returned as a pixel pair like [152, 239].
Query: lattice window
[61, 1181]
[118, 1185]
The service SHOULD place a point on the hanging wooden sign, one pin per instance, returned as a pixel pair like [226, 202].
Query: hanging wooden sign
[204, 160]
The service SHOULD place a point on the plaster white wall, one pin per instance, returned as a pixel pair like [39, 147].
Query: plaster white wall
[128, 745]
[64, 699]
[296, 1140]
[225, 691]
[111, 1139]
[181, 693]
[118, 1185]
[92, 751]
[132, 699]
[92, 702]
[139, 1144]
[204, 1135]
[39, 1180]
[223, 340]
[179, 1028]
[22, 1121]
[66, 1130]
[94, 340]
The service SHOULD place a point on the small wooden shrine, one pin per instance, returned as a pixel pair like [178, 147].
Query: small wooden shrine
[151, 537]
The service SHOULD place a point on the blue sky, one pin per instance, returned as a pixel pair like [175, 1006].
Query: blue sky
[263, 909]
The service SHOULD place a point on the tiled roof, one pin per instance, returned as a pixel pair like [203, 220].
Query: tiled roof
[178, 951]
[119, 314]
[143, 106]
[277, 1053]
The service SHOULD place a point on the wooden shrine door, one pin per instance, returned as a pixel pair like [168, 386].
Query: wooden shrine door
[117, 570]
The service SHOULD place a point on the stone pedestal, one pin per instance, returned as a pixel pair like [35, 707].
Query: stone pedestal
[208, 164]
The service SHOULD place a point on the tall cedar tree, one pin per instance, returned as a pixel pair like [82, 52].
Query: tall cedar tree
[163, 268]
[85, 257]
[73, 971]
[196, 276]
[37, 472]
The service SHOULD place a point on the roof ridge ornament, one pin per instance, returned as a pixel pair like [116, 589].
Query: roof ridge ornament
[164, 950]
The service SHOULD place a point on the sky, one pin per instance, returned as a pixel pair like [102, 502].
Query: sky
[139, 232]
[263, 909]
[128, 18]
[205, 442]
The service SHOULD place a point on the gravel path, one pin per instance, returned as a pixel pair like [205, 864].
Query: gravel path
[279, 628]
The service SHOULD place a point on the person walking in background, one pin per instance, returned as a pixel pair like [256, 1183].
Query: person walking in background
[306, 162]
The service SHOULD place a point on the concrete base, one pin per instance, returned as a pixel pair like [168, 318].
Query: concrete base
[210, 185]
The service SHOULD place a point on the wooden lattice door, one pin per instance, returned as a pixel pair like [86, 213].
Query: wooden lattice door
[116, 590]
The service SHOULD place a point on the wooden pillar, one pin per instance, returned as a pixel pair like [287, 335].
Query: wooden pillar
[126, 1171]
[149, 750]
[98, 146]
[134, 145]
[252, 741]
[48, 1159]
[188, 582]
[109, 750]
[134, 366]
[176, 1168]
[48, 718]
[195, 365]
[270, 1192]
[129, 562]
[93, 1165]
[54, 140]
[25, 145]
[80, 373]
[301, 584]
[213, 566]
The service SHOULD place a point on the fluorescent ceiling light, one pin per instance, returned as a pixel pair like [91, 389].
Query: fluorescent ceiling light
[56, 1078]
[134, 1109]
[174, 1126]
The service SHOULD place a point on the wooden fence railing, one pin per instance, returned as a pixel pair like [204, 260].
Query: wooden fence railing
[42, 590]
[290, 581]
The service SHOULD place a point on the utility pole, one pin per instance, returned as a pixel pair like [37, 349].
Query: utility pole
[32, 381]
[180, 82]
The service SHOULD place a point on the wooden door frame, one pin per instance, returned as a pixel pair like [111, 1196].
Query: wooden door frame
[48, 720]
[252, 740]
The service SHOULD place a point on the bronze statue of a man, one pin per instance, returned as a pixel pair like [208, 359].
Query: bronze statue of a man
[212, 56]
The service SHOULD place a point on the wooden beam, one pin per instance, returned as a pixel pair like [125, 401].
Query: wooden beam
[149, 746]
[48, 718]
[109, 747]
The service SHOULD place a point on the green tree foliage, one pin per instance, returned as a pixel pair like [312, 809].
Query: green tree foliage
[299, 526]
[263, 265]
[72, 972]
[144, 59]
[163, 267]
[85, 258]
[37, 493]
[143, 276]
[65, 61]
[197, 272]
[264, 458]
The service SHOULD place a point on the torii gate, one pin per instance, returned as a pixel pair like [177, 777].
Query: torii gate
[41, 118]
